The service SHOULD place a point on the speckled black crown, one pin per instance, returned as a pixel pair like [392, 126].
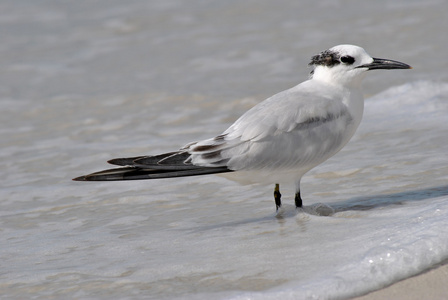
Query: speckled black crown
[326, 58]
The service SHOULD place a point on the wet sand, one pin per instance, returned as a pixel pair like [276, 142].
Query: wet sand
[429, 285]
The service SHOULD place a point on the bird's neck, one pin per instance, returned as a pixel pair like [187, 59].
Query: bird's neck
[354, 100]
[332, 77]
[350, 94]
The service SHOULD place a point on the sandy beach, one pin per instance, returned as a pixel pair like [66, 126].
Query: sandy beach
[429, 285]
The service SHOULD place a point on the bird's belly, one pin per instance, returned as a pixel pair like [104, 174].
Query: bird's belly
[282, 176]
[287, 156]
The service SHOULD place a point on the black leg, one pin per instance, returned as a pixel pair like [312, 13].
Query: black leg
[298, 199]
[277, 196]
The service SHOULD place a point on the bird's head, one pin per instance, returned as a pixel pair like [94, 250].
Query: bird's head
[347, 65]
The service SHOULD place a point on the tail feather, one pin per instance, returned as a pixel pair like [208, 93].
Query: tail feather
[166, 165]
[166, 161]
[127, 161]
[132, 173]
[171, 158]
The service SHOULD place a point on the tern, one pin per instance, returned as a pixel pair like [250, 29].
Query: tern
[278, 140]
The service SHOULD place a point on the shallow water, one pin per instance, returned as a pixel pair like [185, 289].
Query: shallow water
[83, 82]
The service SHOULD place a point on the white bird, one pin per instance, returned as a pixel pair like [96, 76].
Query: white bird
[279, 139]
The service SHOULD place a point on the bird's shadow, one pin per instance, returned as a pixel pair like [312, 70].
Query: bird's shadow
[363, 203]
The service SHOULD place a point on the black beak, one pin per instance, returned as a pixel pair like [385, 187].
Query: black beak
[385, 64]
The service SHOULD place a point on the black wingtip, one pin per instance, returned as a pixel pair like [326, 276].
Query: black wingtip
[128, 161]
[80, 178]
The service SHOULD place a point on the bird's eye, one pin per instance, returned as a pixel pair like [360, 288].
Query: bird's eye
[347, 60]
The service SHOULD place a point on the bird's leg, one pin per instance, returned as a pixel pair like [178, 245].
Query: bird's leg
[277, 196]
[298, 199]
